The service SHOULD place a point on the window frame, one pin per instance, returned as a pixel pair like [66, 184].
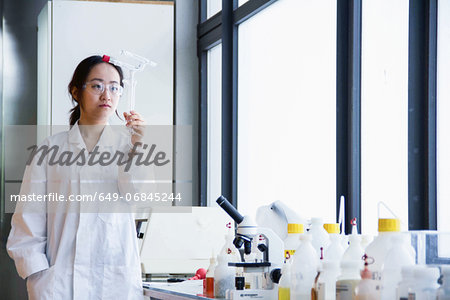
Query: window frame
[222, 28]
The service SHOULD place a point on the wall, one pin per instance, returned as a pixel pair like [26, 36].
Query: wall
[187, 101]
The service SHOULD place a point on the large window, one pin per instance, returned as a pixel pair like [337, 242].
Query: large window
[322, 98]
[214, 105]
[287, 108]
[213, 7]
[384, 110]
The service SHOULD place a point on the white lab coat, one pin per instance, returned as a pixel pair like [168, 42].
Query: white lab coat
[71, 255]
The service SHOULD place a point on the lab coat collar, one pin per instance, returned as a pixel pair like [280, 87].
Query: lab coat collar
[107, 138]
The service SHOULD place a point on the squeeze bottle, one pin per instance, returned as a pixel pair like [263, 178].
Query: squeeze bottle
[381, 245]
[397, 257]
[304, 269]
[320, 238]
[354, 251]
[335, 250]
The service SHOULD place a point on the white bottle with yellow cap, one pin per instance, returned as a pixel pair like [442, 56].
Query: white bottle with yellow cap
[380, 246]
[292, 241]
[335, 250]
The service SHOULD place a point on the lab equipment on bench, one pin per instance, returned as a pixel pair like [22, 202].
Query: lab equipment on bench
[272, 249]
[277, 216]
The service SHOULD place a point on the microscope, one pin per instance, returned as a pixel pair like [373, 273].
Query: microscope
[271, 249]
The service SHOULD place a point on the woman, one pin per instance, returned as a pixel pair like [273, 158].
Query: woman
[63, 252]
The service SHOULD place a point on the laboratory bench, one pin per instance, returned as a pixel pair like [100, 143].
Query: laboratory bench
[174, 291]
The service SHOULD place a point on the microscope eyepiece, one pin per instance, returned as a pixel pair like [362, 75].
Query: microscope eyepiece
[229, 209]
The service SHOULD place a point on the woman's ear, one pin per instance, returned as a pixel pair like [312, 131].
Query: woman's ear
[74, 93]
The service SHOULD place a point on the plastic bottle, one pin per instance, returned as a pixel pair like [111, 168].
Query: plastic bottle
[381, 245]
[348, 281]
[320, 238]
[292, 241]
[425, 284]
[366, 289]
[444, 290]
[335, 250]
[327, 280]
[208, 282]
[397, 257]
[354, 251]
[344, 241]
[366, 239]
[284, 286]
[331, 228]
[229, 248]
[223, 276]
[304, 269]
[404, 286]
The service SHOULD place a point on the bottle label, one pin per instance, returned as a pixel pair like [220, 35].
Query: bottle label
[326, 291]
[412, 296]
[288, 254]
[346, 290]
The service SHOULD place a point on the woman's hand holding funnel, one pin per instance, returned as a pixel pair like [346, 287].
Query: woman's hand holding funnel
[137, 123]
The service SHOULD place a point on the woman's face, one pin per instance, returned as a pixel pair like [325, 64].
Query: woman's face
[99, 105]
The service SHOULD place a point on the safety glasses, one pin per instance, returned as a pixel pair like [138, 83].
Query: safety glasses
[97, 87]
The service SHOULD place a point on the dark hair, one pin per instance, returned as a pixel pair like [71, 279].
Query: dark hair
[79, 79]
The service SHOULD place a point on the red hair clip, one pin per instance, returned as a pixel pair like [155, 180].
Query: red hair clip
[106, 58]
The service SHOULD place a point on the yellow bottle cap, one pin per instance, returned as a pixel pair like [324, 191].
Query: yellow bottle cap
[332, 227]
[388, 225]
[295, 228]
